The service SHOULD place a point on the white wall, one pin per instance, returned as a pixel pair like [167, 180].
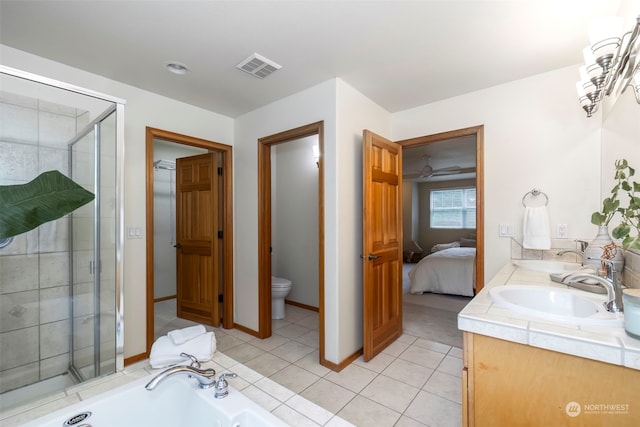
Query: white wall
[294, 195]
[142, 109]
[346, 113]
[164, 216]
[355, 113]
[309, 106]
[535, 135]
[164, 220]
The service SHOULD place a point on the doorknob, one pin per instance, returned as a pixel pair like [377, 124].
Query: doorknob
[371, 257]
[177, 246]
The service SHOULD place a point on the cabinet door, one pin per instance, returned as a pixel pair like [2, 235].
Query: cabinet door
[467, 379]
[513, 384]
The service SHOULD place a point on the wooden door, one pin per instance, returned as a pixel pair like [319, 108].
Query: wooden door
[197, 254]
[381, 243]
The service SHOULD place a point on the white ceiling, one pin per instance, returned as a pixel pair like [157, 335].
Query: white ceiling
[459, 152]
[400, 54]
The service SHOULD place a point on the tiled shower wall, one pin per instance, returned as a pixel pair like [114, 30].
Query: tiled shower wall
[34, 269]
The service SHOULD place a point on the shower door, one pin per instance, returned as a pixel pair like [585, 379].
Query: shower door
[61, 282]
[92, 164]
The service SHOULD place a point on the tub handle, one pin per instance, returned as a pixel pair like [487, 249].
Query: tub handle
[194, 361]
[222, 387]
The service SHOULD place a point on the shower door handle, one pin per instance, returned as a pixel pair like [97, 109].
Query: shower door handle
[92, 267]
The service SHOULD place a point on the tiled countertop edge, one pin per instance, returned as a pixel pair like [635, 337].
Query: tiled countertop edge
[605, 345]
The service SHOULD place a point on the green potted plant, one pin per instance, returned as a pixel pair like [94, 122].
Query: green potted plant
[628, 231]
[50, 196]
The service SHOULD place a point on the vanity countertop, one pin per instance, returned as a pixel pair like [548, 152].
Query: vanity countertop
[481, 316]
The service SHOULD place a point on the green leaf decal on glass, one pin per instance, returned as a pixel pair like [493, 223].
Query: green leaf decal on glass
[49, 196]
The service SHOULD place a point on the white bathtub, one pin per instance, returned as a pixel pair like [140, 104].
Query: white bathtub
[174, 403]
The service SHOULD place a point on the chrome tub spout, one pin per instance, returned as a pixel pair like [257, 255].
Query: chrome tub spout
[206, 377]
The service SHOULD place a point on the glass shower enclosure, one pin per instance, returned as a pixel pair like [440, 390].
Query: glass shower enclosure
[61, 283]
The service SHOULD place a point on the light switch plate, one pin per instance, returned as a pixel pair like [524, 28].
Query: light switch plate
[505, 230]
[134, 233]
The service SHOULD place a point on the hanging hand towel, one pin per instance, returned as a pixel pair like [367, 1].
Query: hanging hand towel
[181, 336]
[165, 353]
[536, 233]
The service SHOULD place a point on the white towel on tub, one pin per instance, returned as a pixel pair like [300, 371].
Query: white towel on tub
[536, 233]
[165, 353]
[181, 336]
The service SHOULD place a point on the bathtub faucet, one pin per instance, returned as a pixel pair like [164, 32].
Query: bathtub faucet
[206, 377]
[222, 387]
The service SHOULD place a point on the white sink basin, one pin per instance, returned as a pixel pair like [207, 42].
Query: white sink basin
[546, 266]
[554, 304]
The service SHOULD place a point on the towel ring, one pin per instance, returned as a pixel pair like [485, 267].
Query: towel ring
[535, 192]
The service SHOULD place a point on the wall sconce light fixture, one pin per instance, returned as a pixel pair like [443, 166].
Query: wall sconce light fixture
[611, 61]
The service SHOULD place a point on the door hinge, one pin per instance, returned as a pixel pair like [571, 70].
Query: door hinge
[221, 298]
[220, 234]
[220, 171]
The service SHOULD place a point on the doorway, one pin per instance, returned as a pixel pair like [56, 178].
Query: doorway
[382, 227]
[221, 226]
[267, 146]
[450, 137]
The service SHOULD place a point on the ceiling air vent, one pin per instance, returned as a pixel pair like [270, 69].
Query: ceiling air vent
[258, 66]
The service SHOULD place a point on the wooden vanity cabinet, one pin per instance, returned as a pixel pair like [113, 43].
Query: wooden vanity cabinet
[509, 384]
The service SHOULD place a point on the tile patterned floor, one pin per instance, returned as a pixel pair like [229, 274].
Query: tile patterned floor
[413, 382]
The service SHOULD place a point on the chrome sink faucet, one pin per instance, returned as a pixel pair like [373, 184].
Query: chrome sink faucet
[583, 244]
[583, 247]
[611, 283]
[567, 251]
[206, 377]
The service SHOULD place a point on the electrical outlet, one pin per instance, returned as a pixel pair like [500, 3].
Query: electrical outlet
[561, 231]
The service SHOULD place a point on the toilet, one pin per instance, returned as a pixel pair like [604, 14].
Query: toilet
[280, 288]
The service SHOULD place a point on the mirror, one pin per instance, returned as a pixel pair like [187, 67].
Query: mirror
[620, 139]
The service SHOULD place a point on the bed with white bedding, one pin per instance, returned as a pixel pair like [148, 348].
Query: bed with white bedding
[449, 271]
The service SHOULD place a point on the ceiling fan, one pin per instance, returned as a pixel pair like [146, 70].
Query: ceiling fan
[428, 171]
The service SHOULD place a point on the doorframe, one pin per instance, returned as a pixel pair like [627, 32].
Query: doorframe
[264, 225]
[227, 221]
[478, 132]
